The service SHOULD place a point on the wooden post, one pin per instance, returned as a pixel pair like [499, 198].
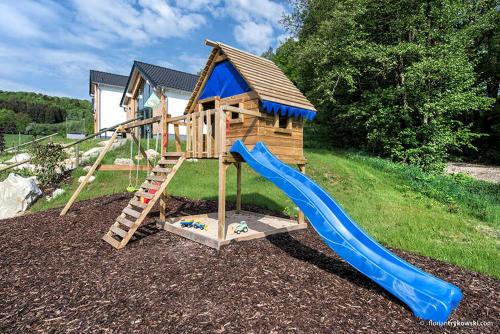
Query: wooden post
[221, 231]
[238, 187]
[164, 125]
[77, 155]
[89, 174]
[302, 220]
[178, 147]
[164, 149]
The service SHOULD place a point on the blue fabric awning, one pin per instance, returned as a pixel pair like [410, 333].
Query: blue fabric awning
[286, 110]
[224, 81]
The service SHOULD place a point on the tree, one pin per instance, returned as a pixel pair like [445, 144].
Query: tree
[396, 78]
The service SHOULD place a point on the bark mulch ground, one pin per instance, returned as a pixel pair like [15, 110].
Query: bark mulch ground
[57, 275]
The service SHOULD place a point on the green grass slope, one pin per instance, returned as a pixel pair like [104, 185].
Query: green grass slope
[454, 219]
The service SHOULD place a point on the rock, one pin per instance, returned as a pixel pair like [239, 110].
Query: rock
[123, 162]
[18, 157]
[17, 194]
[58, 192]
[91, 179]
[86, 168]
[93, 152]
[152, 154]
[192, 160]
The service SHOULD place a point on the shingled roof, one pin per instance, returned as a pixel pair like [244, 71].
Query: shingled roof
[262, 75]
[106, 78]
[162, 77]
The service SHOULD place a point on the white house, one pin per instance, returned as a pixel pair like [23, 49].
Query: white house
[106, 90]
[140, 97]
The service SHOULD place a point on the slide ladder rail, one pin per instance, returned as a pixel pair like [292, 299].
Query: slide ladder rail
[428, 297]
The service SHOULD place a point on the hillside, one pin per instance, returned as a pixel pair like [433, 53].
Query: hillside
[42, 109]
[451, 218]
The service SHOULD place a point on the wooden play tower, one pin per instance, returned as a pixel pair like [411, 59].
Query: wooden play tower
[239, 96]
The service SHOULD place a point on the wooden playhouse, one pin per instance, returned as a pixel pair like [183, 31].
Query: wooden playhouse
[239, 96]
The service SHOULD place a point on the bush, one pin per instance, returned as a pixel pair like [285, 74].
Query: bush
[48, 159]
[2, 142]
[42, 129]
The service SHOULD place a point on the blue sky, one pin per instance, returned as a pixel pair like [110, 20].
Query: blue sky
[49, 46]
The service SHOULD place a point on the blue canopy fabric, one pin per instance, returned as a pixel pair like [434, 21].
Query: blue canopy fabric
[286, 110]
[224, 81]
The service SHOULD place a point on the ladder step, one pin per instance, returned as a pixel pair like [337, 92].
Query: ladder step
[163, 162]
[137, 203]
[149, 185]
[112, 241]
[156, 178]
[124, 221]
[172, 154]
[118, 231]
[131, 212]
[161, 170]
[141, 193]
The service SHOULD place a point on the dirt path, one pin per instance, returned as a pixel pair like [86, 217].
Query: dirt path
[480, 172]
[58, 276]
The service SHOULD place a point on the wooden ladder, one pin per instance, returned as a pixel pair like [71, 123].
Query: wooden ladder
[136, 211]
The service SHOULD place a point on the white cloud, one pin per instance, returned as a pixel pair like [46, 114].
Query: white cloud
[194, 63]
[255, 10]
[255, 37]
[195, 5]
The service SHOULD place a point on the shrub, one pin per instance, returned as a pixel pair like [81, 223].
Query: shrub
[48, 159]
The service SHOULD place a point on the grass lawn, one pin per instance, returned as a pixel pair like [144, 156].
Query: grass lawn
[454, 219]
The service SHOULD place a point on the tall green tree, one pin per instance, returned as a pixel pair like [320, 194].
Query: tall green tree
[393, 77]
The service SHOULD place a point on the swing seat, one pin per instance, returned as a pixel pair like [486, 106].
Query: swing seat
[132, 189]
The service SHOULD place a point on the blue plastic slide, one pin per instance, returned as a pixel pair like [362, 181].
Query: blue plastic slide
[429, 297]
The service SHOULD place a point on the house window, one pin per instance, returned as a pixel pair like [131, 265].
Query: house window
[208, 105]
[282, 124]
[236, 117]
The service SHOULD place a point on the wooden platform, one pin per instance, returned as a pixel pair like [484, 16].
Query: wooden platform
[259, 226]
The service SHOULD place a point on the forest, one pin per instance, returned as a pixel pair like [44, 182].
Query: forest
[39, 114]
[413, 81]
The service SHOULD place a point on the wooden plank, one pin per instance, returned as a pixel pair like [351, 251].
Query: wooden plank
[89, 174]
[242, 111]
[238, 187]
[110, 240]
[221, 228]
[149, 185]
[200, 132]
[135, 124]
[165, 162]
[217, 147]
[161, 170]
[209, 134]
[157, 178]
[188, 134]
[131, 212]
[141, 193]
[164, 124]
[124, 221]
[118, 168]
[302, 168]
[137, 203]
[118, 231]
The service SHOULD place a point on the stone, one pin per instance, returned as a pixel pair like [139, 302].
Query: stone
[17, 193]
[58, 192]
[18, 157]
[91, 179]
[152, 154]
[123, 162]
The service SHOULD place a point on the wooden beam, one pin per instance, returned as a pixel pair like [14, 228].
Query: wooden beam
[151, 120]
[119, 168]
[238, 187]
[242, 111]
[302, 220]
[178, 147]
[164, 149]
[221, 215]
[89, 174]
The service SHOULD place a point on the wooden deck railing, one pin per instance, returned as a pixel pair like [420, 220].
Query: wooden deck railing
[205, 131]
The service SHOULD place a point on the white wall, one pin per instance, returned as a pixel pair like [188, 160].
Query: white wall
[110, 111]
[176, 103]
